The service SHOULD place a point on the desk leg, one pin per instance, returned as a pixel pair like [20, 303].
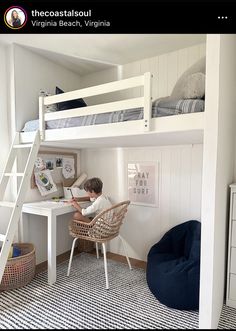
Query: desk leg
[23, 229]
[52, 262]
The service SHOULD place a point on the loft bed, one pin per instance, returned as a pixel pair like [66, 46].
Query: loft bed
[142, 125]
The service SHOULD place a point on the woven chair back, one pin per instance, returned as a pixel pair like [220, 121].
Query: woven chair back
[105, 226]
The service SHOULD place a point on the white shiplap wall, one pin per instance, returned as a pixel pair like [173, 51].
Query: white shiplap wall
[178, 186]
[180, 167]
[166, 69]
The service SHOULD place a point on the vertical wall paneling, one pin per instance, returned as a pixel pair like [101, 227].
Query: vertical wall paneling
[165, 190]
[179, 166]
[131, 70]
[152, 66]
[121, 174]
[146, 225]
[196, 181]
[185, 179]
[172, 71]
[175, 187]
[182, 61]
[163, 76]
[193, 54]
[166, 69]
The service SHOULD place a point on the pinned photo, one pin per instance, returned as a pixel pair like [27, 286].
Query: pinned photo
[39, 164]
[59, 162]
[15, 17]
[49, 164]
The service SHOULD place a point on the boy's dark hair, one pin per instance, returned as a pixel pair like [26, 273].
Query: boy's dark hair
[93, 184]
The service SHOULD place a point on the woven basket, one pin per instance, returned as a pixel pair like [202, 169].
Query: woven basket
[20, 270]
[85, 245]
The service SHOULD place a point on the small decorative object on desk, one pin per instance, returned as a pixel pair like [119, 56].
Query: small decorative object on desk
[80, 180]
[70, 192]
[57, 199]
[19, 270]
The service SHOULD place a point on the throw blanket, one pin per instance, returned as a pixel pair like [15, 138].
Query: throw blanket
[160, 107]
[168, 106]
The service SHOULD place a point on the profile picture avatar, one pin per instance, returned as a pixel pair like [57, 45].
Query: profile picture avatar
[15, 17]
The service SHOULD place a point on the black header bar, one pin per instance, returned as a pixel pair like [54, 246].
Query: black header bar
[117, 17]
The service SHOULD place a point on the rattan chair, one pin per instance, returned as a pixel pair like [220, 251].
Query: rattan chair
[102, 228]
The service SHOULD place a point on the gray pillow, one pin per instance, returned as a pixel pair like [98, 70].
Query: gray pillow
[179, 88]
[194, 86]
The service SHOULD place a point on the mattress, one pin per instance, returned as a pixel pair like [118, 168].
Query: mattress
[160, 107]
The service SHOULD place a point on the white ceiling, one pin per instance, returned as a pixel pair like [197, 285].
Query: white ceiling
[94, 52]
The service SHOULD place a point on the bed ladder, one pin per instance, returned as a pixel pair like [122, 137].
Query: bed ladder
[6, 240]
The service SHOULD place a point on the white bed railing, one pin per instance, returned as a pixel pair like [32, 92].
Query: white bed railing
[145, 101]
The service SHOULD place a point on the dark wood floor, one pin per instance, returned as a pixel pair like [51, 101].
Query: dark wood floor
[116, 257]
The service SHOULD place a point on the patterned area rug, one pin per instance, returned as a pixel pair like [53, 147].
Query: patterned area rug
[227, 318]
[81, 301]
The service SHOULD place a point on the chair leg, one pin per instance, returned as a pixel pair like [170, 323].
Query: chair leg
[102, 253]
[125, 250]
[71, 256]
[97, 252]
[105, 265]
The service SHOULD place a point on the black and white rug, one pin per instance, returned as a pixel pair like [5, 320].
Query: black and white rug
[227, 318]
[81, 301]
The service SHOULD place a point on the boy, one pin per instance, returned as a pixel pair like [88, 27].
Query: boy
[93, 187]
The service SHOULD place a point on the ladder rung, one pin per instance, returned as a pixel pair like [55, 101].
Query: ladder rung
[7, 204]
[2, 237]
[18, 174]
[7, 238]
[23, 146]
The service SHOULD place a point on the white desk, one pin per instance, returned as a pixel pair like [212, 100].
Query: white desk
[51, 210]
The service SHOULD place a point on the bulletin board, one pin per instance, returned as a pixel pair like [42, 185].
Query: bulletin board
[57, 162]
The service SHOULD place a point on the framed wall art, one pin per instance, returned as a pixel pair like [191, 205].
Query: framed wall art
[143, 183]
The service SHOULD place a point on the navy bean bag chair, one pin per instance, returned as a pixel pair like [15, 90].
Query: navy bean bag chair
[173, 267]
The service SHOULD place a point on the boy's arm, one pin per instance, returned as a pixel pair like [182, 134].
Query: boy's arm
[80, 199]
[75, 204]
[90, 209]
[86, 211]
[83, 199]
